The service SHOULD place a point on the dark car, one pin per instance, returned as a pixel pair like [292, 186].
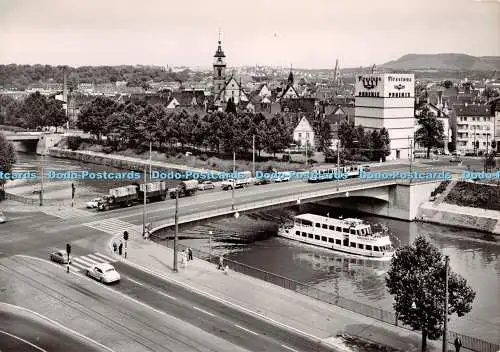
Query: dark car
[60, 257]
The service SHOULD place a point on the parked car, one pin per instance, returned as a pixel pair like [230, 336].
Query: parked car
[261, 181]
[455, 159]
[206, 185]
[3, 218]
[283, 177]
[104, 272]
[93, 203]
[60, 257]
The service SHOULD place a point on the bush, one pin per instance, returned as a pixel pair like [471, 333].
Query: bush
[203, 157]
[74, 142]
[107, 149]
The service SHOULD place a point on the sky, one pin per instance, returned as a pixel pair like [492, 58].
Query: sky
[305, 34]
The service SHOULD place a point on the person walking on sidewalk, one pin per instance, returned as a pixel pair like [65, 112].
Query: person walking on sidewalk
[458, 344]
[190, 254]
[120, 248]
[115, 247]
[221, 263]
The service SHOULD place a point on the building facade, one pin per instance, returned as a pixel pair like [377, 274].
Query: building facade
[219, 66]
[303, 134]
[475, 123]
[387, 100]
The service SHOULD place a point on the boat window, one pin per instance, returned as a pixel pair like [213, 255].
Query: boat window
[338, 229]
[358, 232]
[297, 233]
[332, 228]
[310, 235]
[345, 230]
[338, 242]
[330, 239]
[318, 224]
[375, 248]
[360, 246]
[304, 234]
[316, 237]
[353, 244]
[306, 223]
[353, 232]
[362, 231]
[369, 231]
[325, 226]
[323, 238]
[369, 247]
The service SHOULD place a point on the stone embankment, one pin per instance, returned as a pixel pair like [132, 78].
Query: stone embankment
[119, 161]
[465, 217]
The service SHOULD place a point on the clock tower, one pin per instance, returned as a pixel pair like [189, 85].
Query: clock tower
[219, 78]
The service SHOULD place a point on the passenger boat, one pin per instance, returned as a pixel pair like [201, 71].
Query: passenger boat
[346, 235]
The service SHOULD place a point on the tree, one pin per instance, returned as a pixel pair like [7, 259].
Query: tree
[7, 156]
[447, 84]
[489, 162]
[54, 115]
[416, 279]
[94, 117]
[489, 93]
[34, 110]
[431, 131]
[231, 106]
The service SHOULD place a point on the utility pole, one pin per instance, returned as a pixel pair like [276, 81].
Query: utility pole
[307, 142]
[338, 165]
[445, 325]
[145, 189]
[474, 145]
[150, 171]
[210, 233]
[410, 141]
[234, 180]
[487, 138]
[176, 227]
[41, 179]
[253, 156]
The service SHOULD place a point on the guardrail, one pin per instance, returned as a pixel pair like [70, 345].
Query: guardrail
[471, 343]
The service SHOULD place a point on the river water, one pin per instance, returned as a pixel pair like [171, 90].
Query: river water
[252, 240]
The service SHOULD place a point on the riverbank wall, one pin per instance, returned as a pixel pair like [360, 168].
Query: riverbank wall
[464, 217]
[119, 161]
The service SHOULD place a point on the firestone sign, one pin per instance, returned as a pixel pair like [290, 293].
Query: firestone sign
[369, 82]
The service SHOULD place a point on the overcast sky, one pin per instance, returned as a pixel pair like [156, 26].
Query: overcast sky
[307, 34]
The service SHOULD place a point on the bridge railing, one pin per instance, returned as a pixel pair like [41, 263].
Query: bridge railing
[471, 343]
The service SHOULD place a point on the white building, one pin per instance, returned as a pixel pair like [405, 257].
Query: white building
[303, 134]
[387, 100]
[441, 114]
[474, 123]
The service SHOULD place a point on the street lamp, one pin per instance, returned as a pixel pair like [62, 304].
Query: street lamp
[210, 233]
[234, 180]
[338, 165]
[176, 227]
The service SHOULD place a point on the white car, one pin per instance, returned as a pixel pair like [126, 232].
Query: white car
[93, 203]
[103, 272]
[3, 218]
[206, 185]
[283, 177]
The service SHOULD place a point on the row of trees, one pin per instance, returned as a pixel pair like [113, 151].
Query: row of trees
[35, 111]
[136, 125]
[22, 76]
[363, 145]
[7, 157]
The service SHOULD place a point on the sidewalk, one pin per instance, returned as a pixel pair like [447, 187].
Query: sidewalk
[282, 307]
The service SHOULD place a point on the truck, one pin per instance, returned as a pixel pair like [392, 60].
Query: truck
[185, 189]
[242, 181]
[118, 197]
[129, 195]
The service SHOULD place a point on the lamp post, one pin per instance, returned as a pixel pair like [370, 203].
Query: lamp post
[338, 165]
[150, 169]
[41, 178]
[210, 233]
[253, 155]
[144, 207]
[176, 227]
[445, 324]
[234, 180]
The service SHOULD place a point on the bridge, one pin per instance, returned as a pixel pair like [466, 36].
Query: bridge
[390, 198]
[33, 141]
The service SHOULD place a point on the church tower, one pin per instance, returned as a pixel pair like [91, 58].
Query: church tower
[336, 73]
[290, 77]
[219, 78]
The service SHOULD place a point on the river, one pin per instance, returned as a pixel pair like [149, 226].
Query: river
[252, 240]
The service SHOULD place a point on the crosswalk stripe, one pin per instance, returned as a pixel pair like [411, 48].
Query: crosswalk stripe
[105, 257]
[80, 266]
[96, 258]
[86, 261]
[110, 226]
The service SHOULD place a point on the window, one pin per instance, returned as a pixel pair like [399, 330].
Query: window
[325, 226]
[330, 239]
[338, 229]
[323, 238]
[353, 232]
[297, 233]
[369, 247]
[304, 234]
[318, 224]
[339, 242]
[300, 135]
[375, 248]
[345, 230]
[331, 228]
[360, 246]
[316, 237]
[310, 235]
[353, 244]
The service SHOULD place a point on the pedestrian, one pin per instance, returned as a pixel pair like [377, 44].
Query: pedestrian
[190, 254]
[221, 263]
[115, 247]
[183, 259]
[120, 248]
[458, 344]
[226, 270]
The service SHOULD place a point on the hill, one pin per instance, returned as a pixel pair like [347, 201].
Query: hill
[444, 62]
